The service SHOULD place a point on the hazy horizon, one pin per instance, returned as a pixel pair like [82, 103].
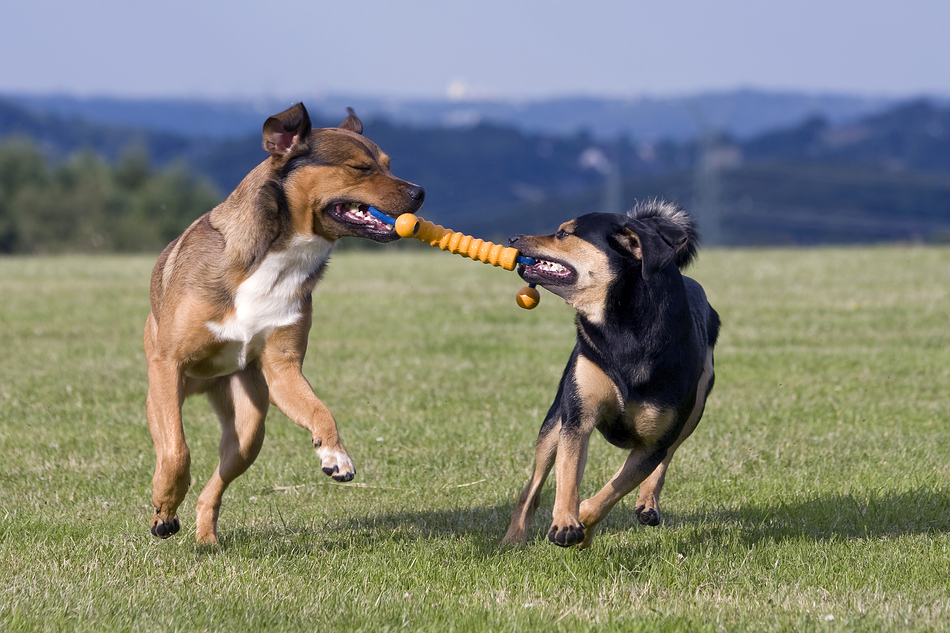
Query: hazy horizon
[267, 99]
[495, 50]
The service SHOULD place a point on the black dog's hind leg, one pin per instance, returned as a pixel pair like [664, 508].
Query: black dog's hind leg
[648, 501]
[635, 469]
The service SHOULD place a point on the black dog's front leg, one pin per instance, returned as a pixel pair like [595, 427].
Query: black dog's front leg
[566, 528]
[589, 395]
[544, 454]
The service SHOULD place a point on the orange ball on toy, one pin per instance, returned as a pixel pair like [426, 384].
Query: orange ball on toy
[528, 297]
[406, 225]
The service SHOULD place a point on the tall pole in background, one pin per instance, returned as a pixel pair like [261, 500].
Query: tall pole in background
[712, 157]
[595, 158]
[707, 192]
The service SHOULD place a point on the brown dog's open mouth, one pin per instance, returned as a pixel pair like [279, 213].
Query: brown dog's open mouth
[358, 216]
[547, 271]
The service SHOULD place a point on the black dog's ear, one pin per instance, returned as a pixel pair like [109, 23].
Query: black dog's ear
[352, 122]
[654, 244]
[285, 132]
[672, 233]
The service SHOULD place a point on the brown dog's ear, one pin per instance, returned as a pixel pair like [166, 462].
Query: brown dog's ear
[352, 122]
[285, 131]
[654, 249]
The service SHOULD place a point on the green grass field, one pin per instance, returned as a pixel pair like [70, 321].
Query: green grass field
[814, 496]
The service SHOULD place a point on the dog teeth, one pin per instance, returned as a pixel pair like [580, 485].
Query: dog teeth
[551, 267]
[360, 213]
[355, 210]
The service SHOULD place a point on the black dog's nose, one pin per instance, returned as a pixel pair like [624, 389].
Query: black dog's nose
[514, 238]
[417, 193]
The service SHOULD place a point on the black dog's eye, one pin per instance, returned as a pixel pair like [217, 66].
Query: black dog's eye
[362, 168]
[561, 234]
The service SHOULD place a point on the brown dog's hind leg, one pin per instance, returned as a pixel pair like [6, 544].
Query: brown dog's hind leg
[172, 458]
[545, 452]
[241, 402]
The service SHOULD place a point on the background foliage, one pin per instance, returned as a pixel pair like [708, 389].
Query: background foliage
[84, 204]
[875, 177]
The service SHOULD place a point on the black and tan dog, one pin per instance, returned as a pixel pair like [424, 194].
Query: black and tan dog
[231, 303]
[642, 367]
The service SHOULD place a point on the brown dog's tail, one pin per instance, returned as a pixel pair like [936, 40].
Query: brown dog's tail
[660, 210]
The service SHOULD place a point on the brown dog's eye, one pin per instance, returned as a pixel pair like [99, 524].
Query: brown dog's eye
[362, 168]
[561, 234]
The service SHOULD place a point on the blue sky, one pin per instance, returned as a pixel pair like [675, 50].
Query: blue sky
[487, 48]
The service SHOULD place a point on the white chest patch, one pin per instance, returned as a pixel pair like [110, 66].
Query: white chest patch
[268, 300]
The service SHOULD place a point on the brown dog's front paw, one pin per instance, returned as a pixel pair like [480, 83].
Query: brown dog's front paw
[567, 535]
[648, 516]
[336, 464]
[164, 529]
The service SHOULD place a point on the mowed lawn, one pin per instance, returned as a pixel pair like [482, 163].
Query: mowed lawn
[814, 495]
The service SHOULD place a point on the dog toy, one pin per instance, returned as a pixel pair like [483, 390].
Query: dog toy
[408, 225]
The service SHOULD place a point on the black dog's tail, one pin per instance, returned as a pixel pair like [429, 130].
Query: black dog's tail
[677, 215]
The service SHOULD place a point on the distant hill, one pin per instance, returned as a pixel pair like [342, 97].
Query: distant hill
[225, 161]
[825, 177]
[463, 169]
[883, 178]
[912, 135]
[739, 113]
[60, 135]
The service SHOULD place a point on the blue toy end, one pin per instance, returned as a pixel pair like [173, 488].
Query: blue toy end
[382, 217]
[525, 261]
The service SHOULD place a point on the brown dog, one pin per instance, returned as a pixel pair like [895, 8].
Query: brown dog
[231, 303]
[641, 369]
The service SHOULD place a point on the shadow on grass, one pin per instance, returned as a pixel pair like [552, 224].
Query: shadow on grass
[875, 515]
[481, 527]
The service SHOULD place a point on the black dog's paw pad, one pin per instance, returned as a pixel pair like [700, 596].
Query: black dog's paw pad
[566, 536]
[649, 516]
[163, 529]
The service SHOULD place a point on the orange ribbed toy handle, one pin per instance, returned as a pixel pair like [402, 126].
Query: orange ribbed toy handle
[408, 225]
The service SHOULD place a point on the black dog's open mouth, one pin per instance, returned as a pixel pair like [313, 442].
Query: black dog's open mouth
[358, 216]
[547, 271]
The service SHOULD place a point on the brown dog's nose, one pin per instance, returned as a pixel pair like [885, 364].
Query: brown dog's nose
[417, 193]
[514, 239]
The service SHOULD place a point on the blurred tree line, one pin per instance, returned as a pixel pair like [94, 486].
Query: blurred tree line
[885, 177]
[83, 204]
